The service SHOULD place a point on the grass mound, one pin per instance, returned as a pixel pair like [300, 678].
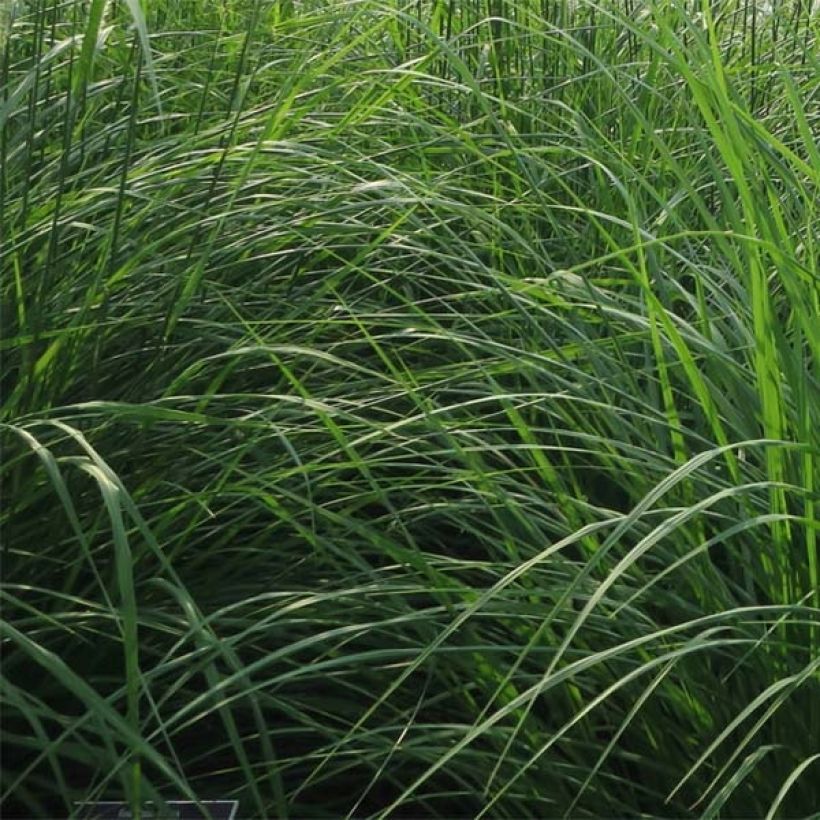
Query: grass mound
[411, 409]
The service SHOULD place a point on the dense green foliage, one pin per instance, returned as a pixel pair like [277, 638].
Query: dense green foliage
[411, 409]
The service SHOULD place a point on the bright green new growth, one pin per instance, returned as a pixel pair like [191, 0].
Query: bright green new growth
[411, 409]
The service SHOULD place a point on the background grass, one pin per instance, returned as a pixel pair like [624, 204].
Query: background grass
[411, 409]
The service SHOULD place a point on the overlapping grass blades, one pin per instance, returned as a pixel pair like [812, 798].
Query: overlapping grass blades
[411, 409]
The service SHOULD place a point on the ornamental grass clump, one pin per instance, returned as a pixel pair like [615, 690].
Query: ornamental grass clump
[411, 409]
